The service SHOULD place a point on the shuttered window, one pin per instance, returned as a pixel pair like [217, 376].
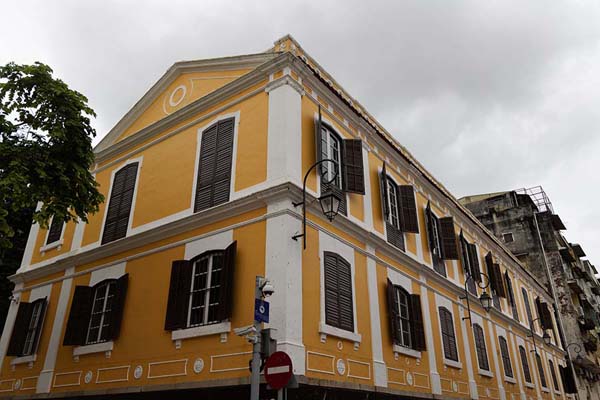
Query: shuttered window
[119, 205]
[568, 380]
[525, 364]
[201, 289]
[470, 263]
[390, 197]
[96, 312]
[527, 305]
[505, 357]
[55, 231]
[544, 314]
[448, 336]
[553, 373]
[405, 316]
[214, 167]
[482, 357]
[339, 311]
[511, 296]
[538, 359]
[435, 241]
[27, 328]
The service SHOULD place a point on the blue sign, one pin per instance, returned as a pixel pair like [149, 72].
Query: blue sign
[261, 310]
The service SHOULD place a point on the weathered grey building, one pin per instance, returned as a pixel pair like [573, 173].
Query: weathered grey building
[527, 224]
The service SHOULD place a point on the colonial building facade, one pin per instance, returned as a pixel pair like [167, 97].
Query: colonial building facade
[202, 178]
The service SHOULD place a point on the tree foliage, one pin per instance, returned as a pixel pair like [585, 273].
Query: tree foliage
[45, 149]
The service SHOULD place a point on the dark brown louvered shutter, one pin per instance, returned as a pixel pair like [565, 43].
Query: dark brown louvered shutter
[480, 347]
[546, 317]
[568, 380]
[408, 209]
[525, 363]
[394, 311]
[383, 190]
[541, 373]
[474, 262]
[19, 333]
[345, 295]
[319, 143]
[448, 337]
[55, 230]
[538, 309]
[339, 310]
[117, 307]
[119, 205]
[332, 308]
[464, 255]
[429, 221]
[448, 237]
[40, 323]
[511, 296]
[79, 316]
[553, 373]
[214, 170]
[416, 323]
[395, 236]
[489, 264]
[224, 309]
[500, 291]
[179, 293]
[353, 179]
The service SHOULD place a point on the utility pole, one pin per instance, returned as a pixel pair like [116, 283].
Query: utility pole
[262, 288]
[255, 377]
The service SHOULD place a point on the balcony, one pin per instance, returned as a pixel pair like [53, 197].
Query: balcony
[576, 285]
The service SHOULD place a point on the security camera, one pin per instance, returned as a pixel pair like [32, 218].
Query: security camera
[245, 330]
[267, 289]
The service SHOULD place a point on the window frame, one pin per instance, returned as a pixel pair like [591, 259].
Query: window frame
[437, 262]
[404, 321]
[527, 305]
[332, 136]
[447, 335]
[506, 361]
[207, 295]
[57, 243]
[505, 235]
[552, 368]
[108, 283]
[392, 186]
[481, 350]
[541, 372]
[525, 365]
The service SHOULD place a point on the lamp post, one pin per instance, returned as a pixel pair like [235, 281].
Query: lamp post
[577, 347]
[545, 337]
[330, 202]
[485, 299]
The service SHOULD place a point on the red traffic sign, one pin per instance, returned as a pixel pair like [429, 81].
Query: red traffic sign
[278, 369]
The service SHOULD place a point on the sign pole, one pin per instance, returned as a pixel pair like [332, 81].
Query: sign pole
[255, 376]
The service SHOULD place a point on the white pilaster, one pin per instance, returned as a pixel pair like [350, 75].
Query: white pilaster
[499, 372]
[380, 371]
[468, 360]
[367, 201]
[283, 267]
[436, 384]
[284, 148]
[45, 379]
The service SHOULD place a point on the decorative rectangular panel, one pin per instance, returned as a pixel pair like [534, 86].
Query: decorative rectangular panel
[230, 362]
[359, 369]
[319, 362]
[63, 379]
[165, 369]
[113, 374]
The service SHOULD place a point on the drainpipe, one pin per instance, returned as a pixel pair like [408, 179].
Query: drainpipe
[557, 313]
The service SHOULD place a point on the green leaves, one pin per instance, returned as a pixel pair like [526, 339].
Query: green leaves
[45, 148]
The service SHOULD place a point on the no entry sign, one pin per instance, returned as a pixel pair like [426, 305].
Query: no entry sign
[278, 369]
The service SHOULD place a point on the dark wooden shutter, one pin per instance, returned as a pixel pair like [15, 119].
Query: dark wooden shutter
[319, 143]
[79, 316]
[416, 323]
[352, 164]
[500, 291]
[547, 317]
[489, 264]
[179, 295]
[224, 310]
[538, 360]
[395, 236]
[117, 307]
[339, 310]
[119, 205]
[19, 333]
[394, 313]
[553, 373]
[214, 170]
[568, 380]
[448, 337]
[527, 305]
[448, 237]
[40, 323]
[464, 255]
[474, 262]
[525, 363]
[505, 357]
[55, 230]
[383, 190]
[511, 296]
[480, 347]
[408, 209]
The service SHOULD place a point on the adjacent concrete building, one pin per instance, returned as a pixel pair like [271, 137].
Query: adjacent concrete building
[527, 224]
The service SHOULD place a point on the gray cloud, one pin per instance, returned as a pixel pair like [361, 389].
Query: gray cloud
[488, 95]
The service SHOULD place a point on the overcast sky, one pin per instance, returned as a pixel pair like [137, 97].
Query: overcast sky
[488, 95]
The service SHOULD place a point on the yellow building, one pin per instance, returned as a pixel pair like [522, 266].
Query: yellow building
[201, 177]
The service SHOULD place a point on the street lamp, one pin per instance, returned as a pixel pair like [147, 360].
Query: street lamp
[546, 337]
[329, 201]
[484, 299]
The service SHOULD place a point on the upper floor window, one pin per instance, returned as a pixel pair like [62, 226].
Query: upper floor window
[544, 314]
[553, 373]
[508, 237]
[27, 328]
[119, 204]
[339, 308]
[213, 181]
[511, 296]
[505, 357]
[442, 239]
[406, 320]
[448, 336]
[470, 263]
[348, 173]
[538, 359]
[399, 209]
[496, 280]
[55, 231]
[527, 305]
[96, 312]
[525, 363]
[482, 358]
[201, 289]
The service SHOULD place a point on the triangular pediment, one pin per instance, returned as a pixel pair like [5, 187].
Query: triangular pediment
[183, 84]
